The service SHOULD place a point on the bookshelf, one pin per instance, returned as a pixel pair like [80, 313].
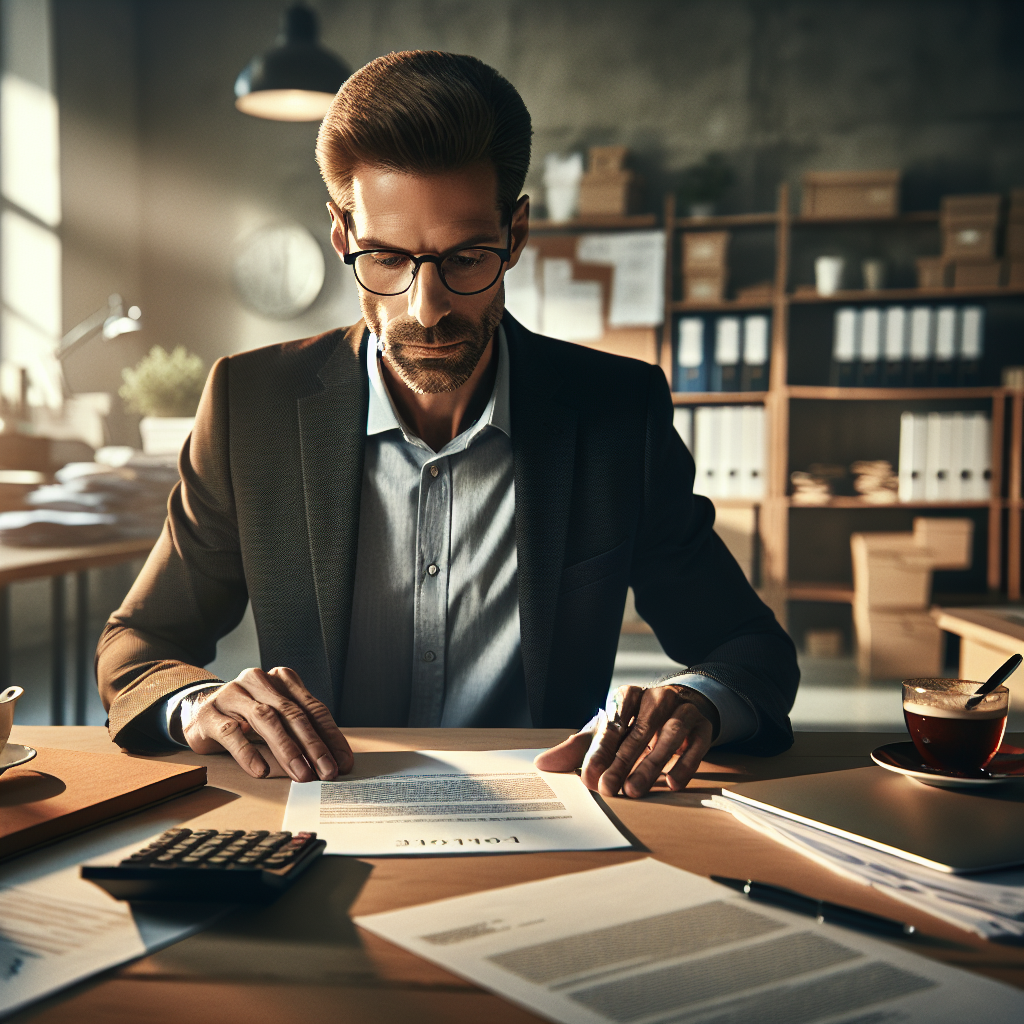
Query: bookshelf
[1000, 516]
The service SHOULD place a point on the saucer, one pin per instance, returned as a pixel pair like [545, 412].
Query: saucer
[1008, 764]
[13, 755]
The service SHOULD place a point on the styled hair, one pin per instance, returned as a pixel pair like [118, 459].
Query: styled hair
[425, 112]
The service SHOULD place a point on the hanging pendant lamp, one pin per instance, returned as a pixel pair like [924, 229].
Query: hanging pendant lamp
[294, 81]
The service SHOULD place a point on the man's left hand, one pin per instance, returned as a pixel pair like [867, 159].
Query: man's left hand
[628, 746]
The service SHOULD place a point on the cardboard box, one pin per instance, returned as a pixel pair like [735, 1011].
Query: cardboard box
[705, 250]
[948, 541]
[982, 208]
[966, 238]
[850, 194]
[704, 286]
[612, 194]
[898, 645]
[606, 159]
[889, 576]
[980, 274]
[1015, 274]
[933, 272]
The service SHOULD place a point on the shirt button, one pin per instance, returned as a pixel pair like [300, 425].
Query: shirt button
[428, 655]
[432, 569]
[433, 470]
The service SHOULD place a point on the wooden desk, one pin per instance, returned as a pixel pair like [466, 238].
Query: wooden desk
[18, 564]
[320, 968]
[988, 636]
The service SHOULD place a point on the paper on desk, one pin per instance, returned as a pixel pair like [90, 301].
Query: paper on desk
[990, 905]
[638, 282]
[649, 943]
[58, 929]
[429, 802]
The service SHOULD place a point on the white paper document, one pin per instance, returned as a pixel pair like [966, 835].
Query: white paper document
[570, 309]
[638, 282]
[645, 943]
[430, 802]
[59, 929]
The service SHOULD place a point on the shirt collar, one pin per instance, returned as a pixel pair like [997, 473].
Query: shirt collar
[382, 415]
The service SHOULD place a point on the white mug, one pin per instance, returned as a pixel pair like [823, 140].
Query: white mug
[828, 274]
[8, 698]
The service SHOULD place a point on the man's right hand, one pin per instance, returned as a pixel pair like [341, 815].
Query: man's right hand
[298, 728]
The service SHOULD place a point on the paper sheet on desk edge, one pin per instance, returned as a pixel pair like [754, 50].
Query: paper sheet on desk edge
[592, 821]
[987, 924]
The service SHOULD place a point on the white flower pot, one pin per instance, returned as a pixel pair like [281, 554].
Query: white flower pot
[164, 435]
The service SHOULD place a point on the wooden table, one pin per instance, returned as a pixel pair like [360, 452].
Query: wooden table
[304, 961]
[988, 636]
[18, 564]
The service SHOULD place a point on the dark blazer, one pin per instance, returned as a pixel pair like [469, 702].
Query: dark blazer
[267, 511]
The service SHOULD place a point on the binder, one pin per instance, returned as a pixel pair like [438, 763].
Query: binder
[754, 375]
[682, 420]
[972, 345]
[725, 374]
[959, 456]
[691, 364]
[706, 441]
[752, 451]
[913, 456]
[731, 460]
[921, 346]
[980, 456]
[937, 484]
[944, 365]
[844, 348]
[894, 349]
[869, 373]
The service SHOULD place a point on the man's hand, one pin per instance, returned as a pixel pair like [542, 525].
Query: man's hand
[298, 729]
[659, 722]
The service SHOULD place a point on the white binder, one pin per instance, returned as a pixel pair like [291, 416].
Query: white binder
[913, 456]
[706, 440]
[937, 480]
[731, 460]
[959, 456]
[972, 325]
[682, 420]
[844, 345]
[870, 335]
[895, 347]
[922, 331]
[753, 453]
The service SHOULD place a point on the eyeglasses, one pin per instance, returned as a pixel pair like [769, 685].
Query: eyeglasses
[464, 271]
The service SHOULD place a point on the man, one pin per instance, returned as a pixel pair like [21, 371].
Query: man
[435, 513]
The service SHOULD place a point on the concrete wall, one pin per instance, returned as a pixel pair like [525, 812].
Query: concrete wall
[162, 175]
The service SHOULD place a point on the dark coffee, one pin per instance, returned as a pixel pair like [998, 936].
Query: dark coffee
[954, 740]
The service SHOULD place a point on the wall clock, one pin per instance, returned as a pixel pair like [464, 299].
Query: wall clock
[279, 270]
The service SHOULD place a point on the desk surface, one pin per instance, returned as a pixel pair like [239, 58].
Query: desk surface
[262, 970]
[32, 563]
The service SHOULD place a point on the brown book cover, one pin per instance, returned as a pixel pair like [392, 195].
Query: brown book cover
[61, 792]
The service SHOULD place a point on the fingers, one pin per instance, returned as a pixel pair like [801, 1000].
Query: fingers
[211, 730]
[612, 731]
[568, 755]
[688, 733]
[694, 746]
[323, 723]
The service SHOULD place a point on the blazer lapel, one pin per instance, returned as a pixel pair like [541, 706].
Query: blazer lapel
[543, 455]
[332, 430]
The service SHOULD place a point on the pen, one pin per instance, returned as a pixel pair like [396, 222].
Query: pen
[833, 913]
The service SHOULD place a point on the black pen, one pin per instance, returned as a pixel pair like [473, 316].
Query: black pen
[833, 913]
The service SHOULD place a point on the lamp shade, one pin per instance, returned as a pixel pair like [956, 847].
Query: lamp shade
[294, 81]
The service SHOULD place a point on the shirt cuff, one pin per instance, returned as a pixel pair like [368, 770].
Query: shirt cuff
[172, 708]
[737, 719]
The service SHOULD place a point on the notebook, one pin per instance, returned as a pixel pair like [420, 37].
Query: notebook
[60, 792]
[953, 830]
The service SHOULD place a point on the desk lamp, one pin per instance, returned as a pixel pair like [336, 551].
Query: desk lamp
[294, 81]
[110, 320]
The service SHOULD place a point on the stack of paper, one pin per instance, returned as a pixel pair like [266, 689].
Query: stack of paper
[990, 905]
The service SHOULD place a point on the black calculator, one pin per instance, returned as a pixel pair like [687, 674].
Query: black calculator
[207, 866]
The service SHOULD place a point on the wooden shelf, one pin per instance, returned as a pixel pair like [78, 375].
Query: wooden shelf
[736, 502]
[636, 220]
[718, 397]
[727, 220]
[727, 306]
[887, 295]
[832, 593]
[814, 391]
[851, 501]
[901, 219]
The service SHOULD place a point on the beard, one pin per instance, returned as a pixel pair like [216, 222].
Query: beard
[460, 342]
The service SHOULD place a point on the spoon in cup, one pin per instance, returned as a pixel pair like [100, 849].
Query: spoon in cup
[1003, 672]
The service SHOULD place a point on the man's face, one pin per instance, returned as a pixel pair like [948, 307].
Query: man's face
[432, 338]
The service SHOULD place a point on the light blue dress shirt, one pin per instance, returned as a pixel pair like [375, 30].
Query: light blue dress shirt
[434, 637]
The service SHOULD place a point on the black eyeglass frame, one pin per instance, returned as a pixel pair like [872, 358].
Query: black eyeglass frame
[503, 254]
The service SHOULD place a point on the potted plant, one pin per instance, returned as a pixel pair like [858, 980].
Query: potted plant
[165, 390]
[702, 186]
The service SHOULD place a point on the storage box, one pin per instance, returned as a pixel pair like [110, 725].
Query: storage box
[851, 194]
[705, 250]
[982, 208]
[933, 272]
[898, 645]
[980, 274]
[612, 194]
[966, 238]
[948, 541]
[889, 572]
[704, 286]
[606, 159]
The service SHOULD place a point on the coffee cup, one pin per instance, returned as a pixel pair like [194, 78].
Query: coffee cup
[948, 735]
[8, 698]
